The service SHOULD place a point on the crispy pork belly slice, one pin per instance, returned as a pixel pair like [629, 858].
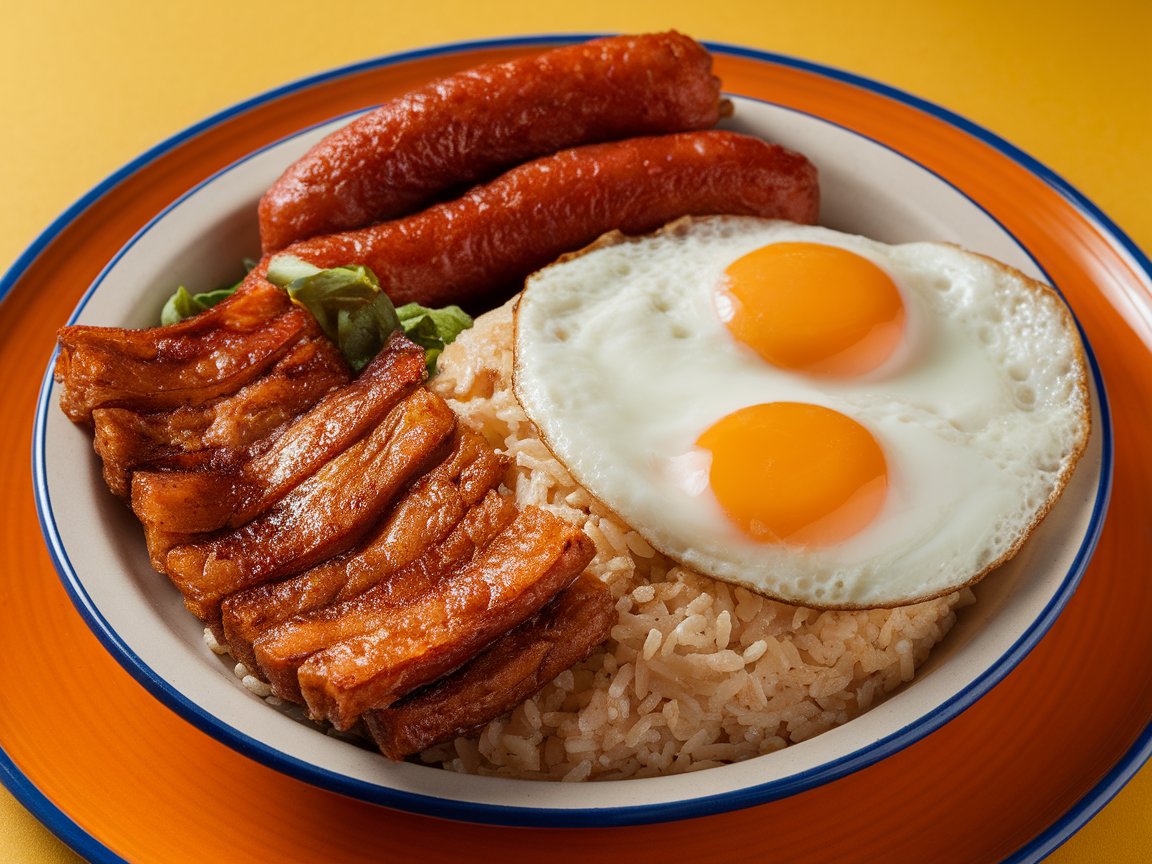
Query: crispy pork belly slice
[513, 669]
[424, 516]
[280, 652]
[465, 477]
[222, 430]
[189, 363]
[195, 502]
[126, 439]
[414, 644]
[325, 515]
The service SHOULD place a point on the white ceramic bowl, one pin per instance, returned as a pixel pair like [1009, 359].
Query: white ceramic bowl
[99, 548]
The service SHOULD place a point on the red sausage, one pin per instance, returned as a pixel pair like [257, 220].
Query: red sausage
[494, 236]
[472, 125]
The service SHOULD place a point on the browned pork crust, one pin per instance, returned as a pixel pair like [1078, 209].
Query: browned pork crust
[325, 515]
[220, 433]
[425, 515]
[507, 583]
[281, 651]
[513, 669]
[192, 502]
[189, 363]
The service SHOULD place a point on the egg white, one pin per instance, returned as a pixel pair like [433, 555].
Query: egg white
[622, 361]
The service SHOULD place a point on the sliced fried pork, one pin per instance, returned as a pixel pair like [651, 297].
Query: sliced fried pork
[193, 502]
[325, 515]
[199, 359]
[280, 652]
[225, 428]
[359, 549]
[513, 669]
[414, 644]
[424, 516]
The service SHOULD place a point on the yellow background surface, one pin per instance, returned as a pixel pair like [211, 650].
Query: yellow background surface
[85, 87]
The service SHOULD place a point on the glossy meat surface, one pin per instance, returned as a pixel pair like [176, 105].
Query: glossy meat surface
[199, 359]
[471, 125]
[511, 670]
[429, 510]
[221, 431]
[510, 581]
[280, 651]
[498, 233]
[325, 515]
[190, 502]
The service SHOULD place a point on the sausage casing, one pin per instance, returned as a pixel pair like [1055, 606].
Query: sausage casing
[491, 238]
[472, 125]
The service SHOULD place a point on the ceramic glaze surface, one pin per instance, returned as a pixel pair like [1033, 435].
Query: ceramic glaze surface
[1011, 742]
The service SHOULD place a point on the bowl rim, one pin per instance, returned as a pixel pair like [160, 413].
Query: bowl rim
[642, 813]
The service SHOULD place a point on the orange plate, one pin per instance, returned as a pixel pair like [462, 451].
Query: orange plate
[121, 778]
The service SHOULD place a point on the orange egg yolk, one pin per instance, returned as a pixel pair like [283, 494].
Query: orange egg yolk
[796, 473]
[812, 308]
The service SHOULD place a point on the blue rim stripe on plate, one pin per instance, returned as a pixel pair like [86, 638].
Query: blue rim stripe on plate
[64, 827]
[502, 814]
[1024, 249]
[1034, 166]
[55, 819]
[545, 817]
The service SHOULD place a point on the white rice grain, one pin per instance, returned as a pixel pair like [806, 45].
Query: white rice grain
[696, 673]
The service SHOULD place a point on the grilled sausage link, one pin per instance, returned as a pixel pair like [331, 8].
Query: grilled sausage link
[491, 238]
[472, 125]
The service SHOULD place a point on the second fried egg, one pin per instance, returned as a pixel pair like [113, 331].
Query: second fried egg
[813, 415]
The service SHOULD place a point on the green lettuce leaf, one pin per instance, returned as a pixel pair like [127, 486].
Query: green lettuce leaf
[350, 308]
[183, 305]
[285, 269]
[357, 315]
[432, 329]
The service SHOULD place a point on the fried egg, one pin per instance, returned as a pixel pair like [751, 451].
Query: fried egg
[818, 417]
